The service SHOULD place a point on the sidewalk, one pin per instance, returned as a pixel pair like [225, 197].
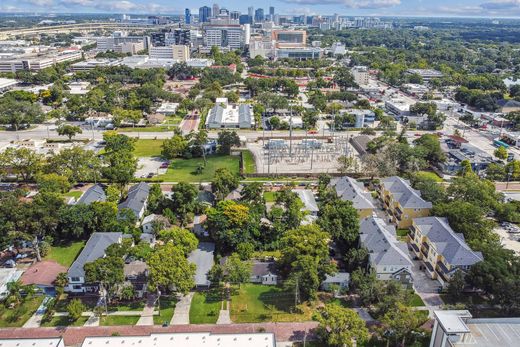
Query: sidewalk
[36, 319]
[148, 311]
[224, 316]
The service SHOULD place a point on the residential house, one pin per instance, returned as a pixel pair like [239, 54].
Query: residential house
[310, 206]
[136, 200]
[93, 194]
[152, 220]
[388, 256]
[264, 272]
[136, 274]
[93, 250]
[442, 250]
[202, 257]
[348, 189]
[340, 280]
[402, 202]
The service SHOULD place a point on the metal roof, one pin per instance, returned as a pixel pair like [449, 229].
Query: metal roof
[349, 189]
[94, 193]
[93, 250]
[403, 193]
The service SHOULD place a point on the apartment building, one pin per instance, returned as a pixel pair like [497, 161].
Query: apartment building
[361, 75]
[402, 202]
[39, 62]
[388, 257]
[230, 36]
[442, 251]
[348, 189]
[290, 38]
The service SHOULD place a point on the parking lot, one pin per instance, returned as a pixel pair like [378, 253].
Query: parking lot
[147, 166]
[508, 239]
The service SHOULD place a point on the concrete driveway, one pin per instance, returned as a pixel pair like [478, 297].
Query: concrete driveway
[181, 315]
[146, 165]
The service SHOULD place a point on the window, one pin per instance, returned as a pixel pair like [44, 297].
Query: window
[74, 279]
[76, 286]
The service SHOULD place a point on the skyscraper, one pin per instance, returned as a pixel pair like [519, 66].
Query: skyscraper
[187, 16]
[251, 11]
[204, 14]
[234, 14]
[216, 10]
[271, 12]
[259, 15]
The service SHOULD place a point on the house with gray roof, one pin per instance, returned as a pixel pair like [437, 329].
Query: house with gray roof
[348, 189]
[264, 272]
[442, 250]
[202, 257]
[224, 115]
[402, 202]
[93, 250]
[93, 194]
[339, 279]
[387, 255]
[136, 200]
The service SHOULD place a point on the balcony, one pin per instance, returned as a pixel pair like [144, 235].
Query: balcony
[424, 252]
[443, 276]
[415, 247]
[425, 245]
[442, 267]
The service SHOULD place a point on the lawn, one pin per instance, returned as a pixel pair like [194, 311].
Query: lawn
[61, 305]
[260, 303]
[153, 129]
[76, 194]
[184, 170]
[118, 320]
[166, 312]
[205, 307]
[249, 162]
[402, 234]
[65, 322]
[148, 148]
[429, 174]
[10, 318]
[270, 196]
[133, 306]
[415, 300]
[65, 254]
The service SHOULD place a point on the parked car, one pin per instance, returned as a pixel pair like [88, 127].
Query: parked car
[150, 175]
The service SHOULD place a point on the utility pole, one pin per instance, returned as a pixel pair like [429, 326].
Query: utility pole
[290, 132]
[297, 293]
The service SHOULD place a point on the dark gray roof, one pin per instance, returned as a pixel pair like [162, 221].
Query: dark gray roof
[404, 193]
[380, 240]
[349, 189]
[449, 244]
[340, 277]
[263, 268]
[215, 114]
[94, 193]
[508, 103]
[202, 257]
[94, 249]
[360, 143]
[136, 198]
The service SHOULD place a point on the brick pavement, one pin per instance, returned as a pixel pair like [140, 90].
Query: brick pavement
[75, 335]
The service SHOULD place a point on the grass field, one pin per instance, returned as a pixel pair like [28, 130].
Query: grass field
[148, 148]
[153, 129]
[184, 170]
[65, 254]
[166, 312]
[429, 174]
[134, 306]
[249, 162]
[10, 318]
[415, 300]
[118, 320]
[259, 303]
[270, 196]
[205, 307]
[64, 322]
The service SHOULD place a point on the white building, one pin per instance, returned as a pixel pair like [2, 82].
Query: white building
[33, 342]
[6, 84]
[36, 62]
[399, 106]
[223, 115]
[199, 62]
[228, 36]
[175, 52]
[167, 108]
[361, 75]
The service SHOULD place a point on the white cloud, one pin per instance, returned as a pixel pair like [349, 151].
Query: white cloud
[360, 4]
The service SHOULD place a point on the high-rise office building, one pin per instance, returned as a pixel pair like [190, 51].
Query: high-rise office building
[234, 15]
[271, 12]
[259, 15]
[245, 19]
[216, 10]
[204, 14]
[187, 16]
[251, 11]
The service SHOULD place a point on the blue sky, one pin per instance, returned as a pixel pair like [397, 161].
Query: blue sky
[482, 8]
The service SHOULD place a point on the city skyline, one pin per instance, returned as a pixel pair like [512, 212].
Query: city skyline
[436, 8]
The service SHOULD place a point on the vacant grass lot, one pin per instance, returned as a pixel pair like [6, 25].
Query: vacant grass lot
[205, 307]
[118, 320]
[185, 170]
[16, 317]
[64, 322]
[166, 312]
[429, 174]
[249, 162]
[151, 129]
[65, 254]
[259, 303]
[148, 148]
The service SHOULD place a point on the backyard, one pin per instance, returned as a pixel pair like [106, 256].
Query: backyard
[185, 170]
[260, 303]
[205, 307]
[16, 317]
[65, 254]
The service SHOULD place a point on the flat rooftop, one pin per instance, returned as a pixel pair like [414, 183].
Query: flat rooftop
[493, 332]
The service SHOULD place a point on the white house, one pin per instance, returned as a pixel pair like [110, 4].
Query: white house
[264, 273]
